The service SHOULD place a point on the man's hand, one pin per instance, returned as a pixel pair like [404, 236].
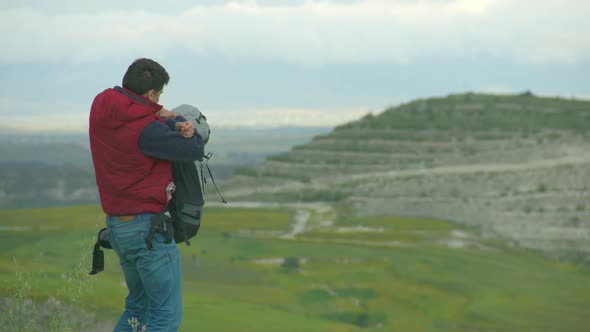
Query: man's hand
[187, 129]
[164, 113]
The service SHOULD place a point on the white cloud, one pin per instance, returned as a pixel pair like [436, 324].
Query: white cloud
[497, 89]
[277, 117]
[32, 116]
[309, 33]
[71, 117]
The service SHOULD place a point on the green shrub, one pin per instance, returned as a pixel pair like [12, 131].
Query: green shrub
[290, 263]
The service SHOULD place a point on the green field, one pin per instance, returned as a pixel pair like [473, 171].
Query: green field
[353, 274]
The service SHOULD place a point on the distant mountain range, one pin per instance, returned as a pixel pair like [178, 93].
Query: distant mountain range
[514, 166]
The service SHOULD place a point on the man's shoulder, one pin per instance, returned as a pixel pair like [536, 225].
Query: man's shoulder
[106, 93]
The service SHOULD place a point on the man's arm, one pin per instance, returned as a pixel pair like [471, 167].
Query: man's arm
[171, 122]
[158, 140]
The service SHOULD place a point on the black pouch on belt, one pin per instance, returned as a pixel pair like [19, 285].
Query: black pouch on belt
[159, 223]
[97, 254]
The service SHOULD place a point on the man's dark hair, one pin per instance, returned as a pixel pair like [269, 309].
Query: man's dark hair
[144, 75]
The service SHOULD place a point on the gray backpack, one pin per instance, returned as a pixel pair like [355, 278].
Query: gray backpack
[193, 114]
[183, 218]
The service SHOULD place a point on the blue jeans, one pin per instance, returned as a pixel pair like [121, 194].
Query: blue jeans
[152, 276]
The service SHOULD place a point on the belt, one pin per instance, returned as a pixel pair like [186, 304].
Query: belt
[125, 218]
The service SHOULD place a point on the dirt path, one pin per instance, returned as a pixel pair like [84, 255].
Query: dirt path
[301, 219]
[457, 169]
[305, 214]
[467, 169]
[320, 215]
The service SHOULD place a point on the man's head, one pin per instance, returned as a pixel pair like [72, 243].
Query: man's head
[146, 77]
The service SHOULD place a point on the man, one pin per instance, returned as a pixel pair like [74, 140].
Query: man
[134, 141]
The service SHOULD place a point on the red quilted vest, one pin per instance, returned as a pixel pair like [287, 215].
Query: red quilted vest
[128, 181]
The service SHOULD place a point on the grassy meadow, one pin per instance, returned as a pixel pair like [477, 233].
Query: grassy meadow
[344, 273]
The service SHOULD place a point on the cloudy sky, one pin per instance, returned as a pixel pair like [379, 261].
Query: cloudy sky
[286, 62]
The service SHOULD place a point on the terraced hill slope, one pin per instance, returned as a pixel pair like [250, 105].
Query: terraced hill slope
[517, 166]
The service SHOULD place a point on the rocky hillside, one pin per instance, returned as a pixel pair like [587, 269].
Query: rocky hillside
[515, 166]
